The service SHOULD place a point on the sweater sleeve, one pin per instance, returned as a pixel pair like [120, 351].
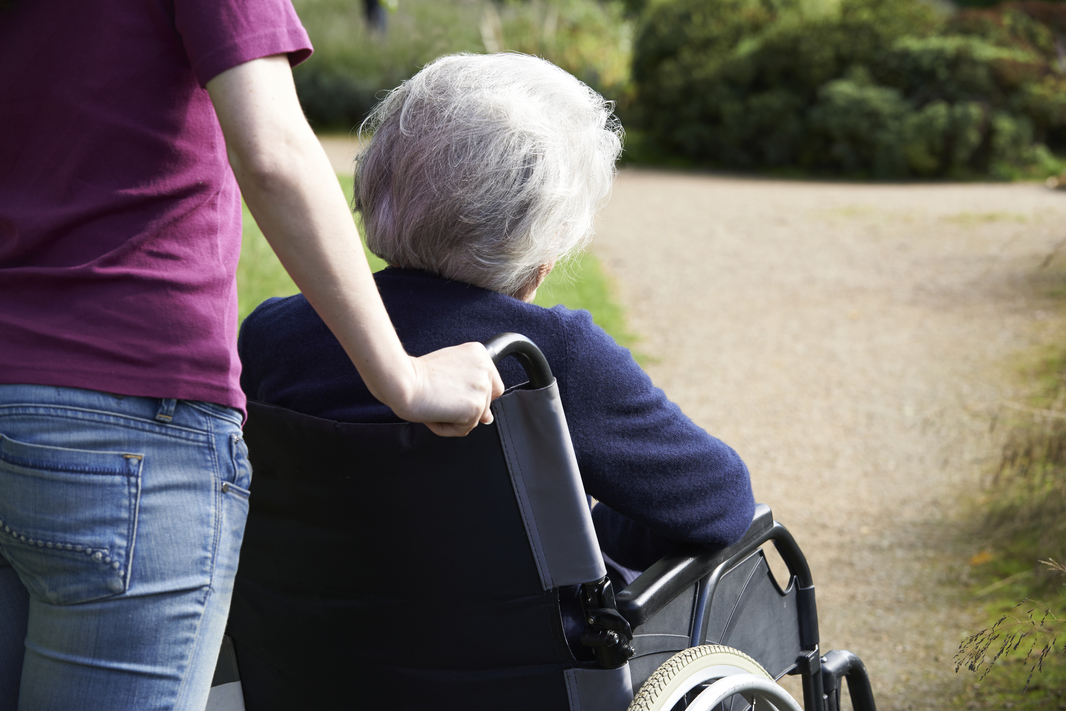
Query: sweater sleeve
[252, 349]
[662, 478]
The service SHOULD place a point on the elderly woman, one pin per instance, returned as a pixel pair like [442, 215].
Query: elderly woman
[482, 173]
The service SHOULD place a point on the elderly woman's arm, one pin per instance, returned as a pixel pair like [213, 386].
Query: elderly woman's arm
[663, 477]
[294, 195]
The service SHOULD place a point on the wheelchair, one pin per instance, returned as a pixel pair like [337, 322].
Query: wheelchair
[699, 629]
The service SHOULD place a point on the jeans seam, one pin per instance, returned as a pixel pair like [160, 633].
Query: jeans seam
[217, 496]
[101, 416]
[196, 405]
[135, 487]
[236, 441]
[194, 648]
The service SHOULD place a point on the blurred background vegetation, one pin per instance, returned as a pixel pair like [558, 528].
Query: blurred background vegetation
[883, 89]
[872, 88]
[353, 65]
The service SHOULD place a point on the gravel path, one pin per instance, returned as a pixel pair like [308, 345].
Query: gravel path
[854, 344]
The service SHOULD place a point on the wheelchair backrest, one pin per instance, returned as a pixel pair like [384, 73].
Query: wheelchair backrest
[383, 557]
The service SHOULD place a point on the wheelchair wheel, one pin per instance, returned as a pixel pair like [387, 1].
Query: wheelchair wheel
[711, 678]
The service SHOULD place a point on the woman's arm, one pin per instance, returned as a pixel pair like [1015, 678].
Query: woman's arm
[291, 189]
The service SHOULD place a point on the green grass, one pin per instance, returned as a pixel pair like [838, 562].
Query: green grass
[1019, 521]
[1029, 599]
[580, 284]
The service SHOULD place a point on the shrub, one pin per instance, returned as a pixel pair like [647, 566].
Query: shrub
[680, 83]
[881, 88]
[861, 125]
[1039, 28]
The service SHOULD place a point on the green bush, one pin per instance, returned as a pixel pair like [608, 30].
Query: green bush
[1039, 29]
[860, 125]
[879, 88]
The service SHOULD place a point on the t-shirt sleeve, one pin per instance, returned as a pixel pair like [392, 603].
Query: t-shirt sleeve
[220, 34]
[669, 480]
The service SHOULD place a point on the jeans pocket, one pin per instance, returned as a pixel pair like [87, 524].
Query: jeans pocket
[241, 482]
[68, 519]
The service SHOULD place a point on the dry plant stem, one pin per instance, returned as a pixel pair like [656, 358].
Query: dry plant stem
[1007, 638]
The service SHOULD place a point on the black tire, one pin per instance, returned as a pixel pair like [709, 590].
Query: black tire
[680, 677]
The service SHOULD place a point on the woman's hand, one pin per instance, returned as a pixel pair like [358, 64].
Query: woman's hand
[453, 390]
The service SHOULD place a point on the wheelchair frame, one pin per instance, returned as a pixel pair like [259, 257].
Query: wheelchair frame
[710, 593]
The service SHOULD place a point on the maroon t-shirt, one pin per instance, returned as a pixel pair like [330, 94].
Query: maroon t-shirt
[120, 219]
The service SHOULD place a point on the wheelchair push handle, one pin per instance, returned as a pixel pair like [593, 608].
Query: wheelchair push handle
[533, 361]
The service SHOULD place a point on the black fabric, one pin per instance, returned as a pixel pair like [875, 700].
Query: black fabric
[384, 559]
[393, 689]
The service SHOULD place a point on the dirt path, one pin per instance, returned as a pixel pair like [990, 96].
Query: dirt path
[853, 343]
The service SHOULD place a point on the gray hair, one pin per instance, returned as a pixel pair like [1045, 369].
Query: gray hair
[482, 168]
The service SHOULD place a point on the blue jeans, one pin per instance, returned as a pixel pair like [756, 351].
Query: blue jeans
[121, 520]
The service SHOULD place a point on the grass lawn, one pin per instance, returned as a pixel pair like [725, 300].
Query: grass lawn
[1023, 667]
[578, 285]
[1018, 655]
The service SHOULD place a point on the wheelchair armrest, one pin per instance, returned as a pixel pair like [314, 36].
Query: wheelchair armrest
[671, 575]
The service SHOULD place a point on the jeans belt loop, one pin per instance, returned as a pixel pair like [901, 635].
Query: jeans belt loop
[165, 413]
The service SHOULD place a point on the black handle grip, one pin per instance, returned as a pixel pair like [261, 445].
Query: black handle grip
[533, 361]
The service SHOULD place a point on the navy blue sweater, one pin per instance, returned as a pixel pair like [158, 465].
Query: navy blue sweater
[639, 455]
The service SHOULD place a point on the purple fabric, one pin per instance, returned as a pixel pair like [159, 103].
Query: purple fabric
[120, 220]
[664, 478]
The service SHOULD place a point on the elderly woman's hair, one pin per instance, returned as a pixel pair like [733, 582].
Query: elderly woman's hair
[482, 168]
